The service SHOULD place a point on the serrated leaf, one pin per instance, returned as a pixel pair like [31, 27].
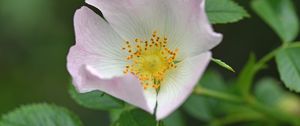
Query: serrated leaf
[280, 15]
[40, 115]
[95, 100]
[223, 64]
[135, 117]
[288, 64]
[175, 119]
[224, 11]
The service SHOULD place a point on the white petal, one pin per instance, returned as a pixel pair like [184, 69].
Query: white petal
[131, 18]
[96, 62]
[194, 32]
[184, 22]
[127, 88]
[180, 83]
[97, 45]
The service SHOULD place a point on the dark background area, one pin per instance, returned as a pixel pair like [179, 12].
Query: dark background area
[35, 36]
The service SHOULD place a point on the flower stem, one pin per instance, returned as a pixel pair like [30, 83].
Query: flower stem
[273, 112]
[251, 102]
[293, 45]
[159, 123]
[261, 63]
[216, 94]
[247, 78]
[273, 53]
[237, 118]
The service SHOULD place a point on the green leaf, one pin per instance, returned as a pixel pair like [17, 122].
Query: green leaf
[175, 119]
[199, 108]
[223, 64]
[224, 11]
[280, 15]
[239, 117]
[279, 98]
[95, 100]
[213, 80]
[204, 108]
[212, 110]
[135, 117]
[288, 64]
[40, 115]
[114, 114]
[263, 89]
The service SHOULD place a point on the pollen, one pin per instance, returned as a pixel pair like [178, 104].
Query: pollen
[150, 60]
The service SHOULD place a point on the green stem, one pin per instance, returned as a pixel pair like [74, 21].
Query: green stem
[159, 123]
[219, 95]
[293, 45]
[260, 64]
[237, 118]
[251, 102]
[245, 81]
[273, 112]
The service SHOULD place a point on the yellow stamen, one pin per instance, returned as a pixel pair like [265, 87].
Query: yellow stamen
[150, 60]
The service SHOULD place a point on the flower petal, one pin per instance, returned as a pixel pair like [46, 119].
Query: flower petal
[96, 62]
[127, 88]
[180, 83]
[130, 18]
[198, 33]
[97, 44]
[184, 22]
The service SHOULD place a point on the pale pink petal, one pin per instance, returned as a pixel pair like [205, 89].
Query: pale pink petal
[180, 83]
[184, 22]
[199, 35]
[97, 45]
[130, 18]
[127, 88]
[96, 62]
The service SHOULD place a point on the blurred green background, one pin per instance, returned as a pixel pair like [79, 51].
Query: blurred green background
[35, 36]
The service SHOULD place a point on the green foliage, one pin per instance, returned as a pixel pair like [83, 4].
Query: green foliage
[279, 98]
[280, 15]
[268, 105]
[212, 110]
[223, 64]
[224, 11]
[288, 63]
[268, 91]
[239, 114]
[135, 117]
[175, 119]
[199, 108]
[95, 100]
[204, 108]
[246, 76]
[114, 114]
[40, 115]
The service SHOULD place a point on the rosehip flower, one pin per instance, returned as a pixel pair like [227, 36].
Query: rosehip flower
[149, 53]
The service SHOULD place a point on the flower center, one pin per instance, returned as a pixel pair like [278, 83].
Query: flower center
[150, 60]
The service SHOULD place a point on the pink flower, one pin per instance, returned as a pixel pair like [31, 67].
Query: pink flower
[149, 53]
